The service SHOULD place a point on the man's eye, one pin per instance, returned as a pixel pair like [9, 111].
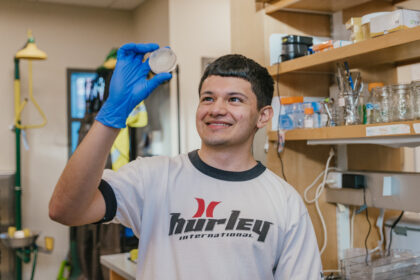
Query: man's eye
[235, 99]
[206, 99]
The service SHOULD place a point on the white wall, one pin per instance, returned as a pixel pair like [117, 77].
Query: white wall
[196, 29]
[72, 37]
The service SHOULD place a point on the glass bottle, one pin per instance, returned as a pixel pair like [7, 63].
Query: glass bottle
[402, 102]
[415, 91]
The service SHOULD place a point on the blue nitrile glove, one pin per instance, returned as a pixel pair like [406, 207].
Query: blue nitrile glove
[129, 85]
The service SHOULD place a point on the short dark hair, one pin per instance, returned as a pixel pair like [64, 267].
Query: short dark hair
[236, 65]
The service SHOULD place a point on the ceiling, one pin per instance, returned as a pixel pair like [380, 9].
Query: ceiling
[111, 4]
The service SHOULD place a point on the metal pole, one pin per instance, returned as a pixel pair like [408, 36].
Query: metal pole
[178, 108]
[18, 189]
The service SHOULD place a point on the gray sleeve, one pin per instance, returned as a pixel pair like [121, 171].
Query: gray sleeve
[300, 257]
[127, 185]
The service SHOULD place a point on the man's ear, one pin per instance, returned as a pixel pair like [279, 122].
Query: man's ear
[265, 115]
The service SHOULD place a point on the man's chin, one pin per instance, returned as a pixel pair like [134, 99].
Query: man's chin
[216, 143]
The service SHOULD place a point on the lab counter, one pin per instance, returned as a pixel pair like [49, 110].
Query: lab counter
[120, 266]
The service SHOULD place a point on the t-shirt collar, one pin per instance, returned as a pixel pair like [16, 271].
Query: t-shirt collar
[220, 174]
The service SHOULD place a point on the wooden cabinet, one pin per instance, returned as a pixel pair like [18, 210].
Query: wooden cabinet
[377, 59]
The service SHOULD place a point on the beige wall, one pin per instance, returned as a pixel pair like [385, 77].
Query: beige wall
[248, 39]
[246, 28]
[196, 29]
[72, 37]
[151, 22]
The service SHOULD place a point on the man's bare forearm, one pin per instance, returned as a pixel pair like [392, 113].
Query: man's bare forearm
[76, 191]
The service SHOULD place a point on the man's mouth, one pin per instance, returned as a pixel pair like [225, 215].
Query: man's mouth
[218, 124]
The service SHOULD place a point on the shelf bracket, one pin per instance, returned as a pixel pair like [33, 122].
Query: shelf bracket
[341, 156]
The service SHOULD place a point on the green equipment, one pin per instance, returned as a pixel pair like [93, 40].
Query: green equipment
[23, 241]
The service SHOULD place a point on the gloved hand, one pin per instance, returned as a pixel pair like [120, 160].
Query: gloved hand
[129, 85]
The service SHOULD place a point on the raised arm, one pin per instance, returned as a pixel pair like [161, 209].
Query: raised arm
[76, 199]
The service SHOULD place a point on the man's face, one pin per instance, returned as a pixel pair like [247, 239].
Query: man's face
[227, 114]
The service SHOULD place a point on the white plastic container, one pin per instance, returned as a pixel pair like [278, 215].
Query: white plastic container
[396, 20]
[366, 23]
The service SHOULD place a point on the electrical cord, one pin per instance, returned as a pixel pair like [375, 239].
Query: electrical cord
[282, 167]
[390, 232]
[278, 120]
[318, 192]
[370, 226]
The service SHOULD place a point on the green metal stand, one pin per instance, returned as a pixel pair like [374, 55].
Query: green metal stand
[18, 189]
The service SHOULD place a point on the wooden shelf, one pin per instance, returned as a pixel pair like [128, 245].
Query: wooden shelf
[397, 47]
[391, 133]
[311, 6]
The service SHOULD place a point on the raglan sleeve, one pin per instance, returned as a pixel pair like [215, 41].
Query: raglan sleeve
[299, 256]
[124, 194]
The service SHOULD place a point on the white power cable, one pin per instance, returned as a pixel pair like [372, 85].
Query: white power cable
[379, 225]
[318, 192]
[352, 227]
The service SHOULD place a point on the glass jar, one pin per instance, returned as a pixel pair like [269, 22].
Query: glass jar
[415, 91]
[403, 106]
[383, 107]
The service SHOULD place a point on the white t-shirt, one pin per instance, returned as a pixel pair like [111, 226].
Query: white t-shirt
[198, 222]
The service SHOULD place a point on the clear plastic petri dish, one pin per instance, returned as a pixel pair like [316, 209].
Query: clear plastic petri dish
[162, 60]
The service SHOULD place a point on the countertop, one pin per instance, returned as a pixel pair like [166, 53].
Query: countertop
[120, 264]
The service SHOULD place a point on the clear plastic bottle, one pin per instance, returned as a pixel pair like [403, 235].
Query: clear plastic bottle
[308, 121]
[371, 104]
[298, 114]
[402, 101]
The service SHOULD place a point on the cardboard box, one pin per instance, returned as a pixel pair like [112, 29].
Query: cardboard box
[396, 20]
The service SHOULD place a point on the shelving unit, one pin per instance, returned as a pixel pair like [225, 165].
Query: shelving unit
[310, 6]
[377, 59]
[398, 47]
[391, 134]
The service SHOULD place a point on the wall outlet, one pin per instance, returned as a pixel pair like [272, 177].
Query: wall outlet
[390, 186]
[334, 180]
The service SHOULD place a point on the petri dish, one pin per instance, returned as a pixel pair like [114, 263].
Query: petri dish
[162, 60]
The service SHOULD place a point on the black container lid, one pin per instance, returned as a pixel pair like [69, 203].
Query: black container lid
[295, 39]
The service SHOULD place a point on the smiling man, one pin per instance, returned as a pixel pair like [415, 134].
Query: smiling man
[214, 213]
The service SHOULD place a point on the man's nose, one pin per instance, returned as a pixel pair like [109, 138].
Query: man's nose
[219, 107]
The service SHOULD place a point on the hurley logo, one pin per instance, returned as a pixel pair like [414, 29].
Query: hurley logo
[202, 206]
[233, 226]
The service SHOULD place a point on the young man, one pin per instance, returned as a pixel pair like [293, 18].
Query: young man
[215, 213]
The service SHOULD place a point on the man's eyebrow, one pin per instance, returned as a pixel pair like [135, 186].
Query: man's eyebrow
[233, 93]
[237, 93]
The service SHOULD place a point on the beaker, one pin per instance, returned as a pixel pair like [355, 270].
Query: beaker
[402, 102]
